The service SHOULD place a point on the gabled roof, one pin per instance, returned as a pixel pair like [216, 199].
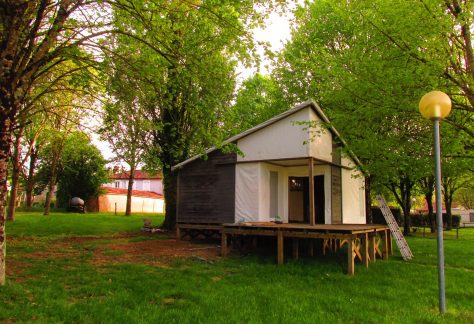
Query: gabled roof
[137, 193]
[139, 174]
[306, 104]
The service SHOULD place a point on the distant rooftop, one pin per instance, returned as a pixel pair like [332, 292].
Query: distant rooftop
[139, 174]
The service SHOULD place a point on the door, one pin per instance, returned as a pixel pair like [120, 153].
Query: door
[298, 199]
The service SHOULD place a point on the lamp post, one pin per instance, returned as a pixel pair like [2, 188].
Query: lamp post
[436, 105]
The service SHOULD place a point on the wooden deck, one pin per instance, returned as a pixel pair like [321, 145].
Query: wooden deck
[365, 242]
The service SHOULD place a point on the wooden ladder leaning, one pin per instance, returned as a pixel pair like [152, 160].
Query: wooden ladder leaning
[394, 229]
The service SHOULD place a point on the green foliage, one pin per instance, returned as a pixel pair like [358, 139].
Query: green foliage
[258, 99]
[368, 63]
[82, 170]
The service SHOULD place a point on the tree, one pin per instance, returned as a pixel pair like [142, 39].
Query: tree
[125, 127]
[368, 63]
[35, 37]
[82, 170]
[187, 77]
[258, 99]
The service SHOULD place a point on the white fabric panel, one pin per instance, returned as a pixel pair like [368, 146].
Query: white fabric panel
[320, 145]
[353, 198]
[280, 140]
[247, 192]
[264, 199]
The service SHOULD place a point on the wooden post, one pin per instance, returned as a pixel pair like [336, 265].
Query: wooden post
[295, 248]
[365, 250]
[385, 244]
[311, 248]
[390, 242]
[224, 244]
[372, 254]
[350, 257]
[178, 233]
[312, 220]
[280, 252]
[254, 242]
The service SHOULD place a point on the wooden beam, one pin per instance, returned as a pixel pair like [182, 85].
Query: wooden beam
[312, 220]
[280, 250]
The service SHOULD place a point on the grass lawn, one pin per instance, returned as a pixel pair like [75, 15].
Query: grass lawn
[99, 268]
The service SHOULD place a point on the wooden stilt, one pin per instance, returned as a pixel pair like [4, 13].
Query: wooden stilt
[390, 243]
[178, 233]
[254, 242]
[350, 257]
[385, 244]
[372, 255]
[312, 220]
[280, 252]
[295, 248]
[365, 250]
[224, 244]
[311, 248]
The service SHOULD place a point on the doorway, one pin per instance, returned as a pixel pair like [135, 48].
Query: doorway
[298, 199]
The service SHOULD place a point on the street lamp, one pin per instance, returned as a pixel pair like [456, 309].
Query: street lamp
[436, 105]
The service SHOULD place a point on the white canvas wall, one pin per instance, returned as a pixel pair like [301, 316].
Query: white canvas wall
[353, 197]
[320, 145]
[280, 140]
[247, 192]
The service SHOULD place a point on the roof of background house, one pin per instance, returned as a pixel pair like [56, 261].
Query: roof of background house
[139, 174]
[138, 193]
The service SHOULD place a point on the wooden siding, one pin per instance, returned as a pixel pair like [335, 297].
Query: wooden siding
[336, 195]
[206, 190]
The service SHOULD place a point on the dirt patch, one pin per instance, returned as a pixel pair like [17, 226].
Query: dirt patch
[158, 249]
[159, 252]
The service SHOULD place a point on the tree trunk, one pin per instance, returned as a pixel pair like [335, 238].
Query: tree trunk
[5, 145]
[368, 204]
[16, 165]
[429, 203]
[170, 190]
[51, 185]
[131, 178]
[30, 182]
[449, 215]
[404, 200]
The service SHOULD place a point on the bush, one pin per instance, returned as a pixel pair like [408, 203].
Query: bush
[377, 216]
[423, 220]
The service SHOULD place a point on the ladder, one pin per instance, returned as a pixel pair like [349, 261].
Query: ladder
[394, 229]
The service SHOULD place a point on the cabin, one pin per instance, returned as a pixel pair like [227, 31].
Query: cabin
[282, 171]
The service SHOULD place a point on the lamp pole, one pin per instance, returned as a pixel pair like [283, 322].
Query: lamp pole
[436, 105]
[439, 218]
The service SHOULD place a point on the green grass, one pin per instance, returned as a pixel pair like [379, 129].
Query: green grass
[70, 224]
[246, 289]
